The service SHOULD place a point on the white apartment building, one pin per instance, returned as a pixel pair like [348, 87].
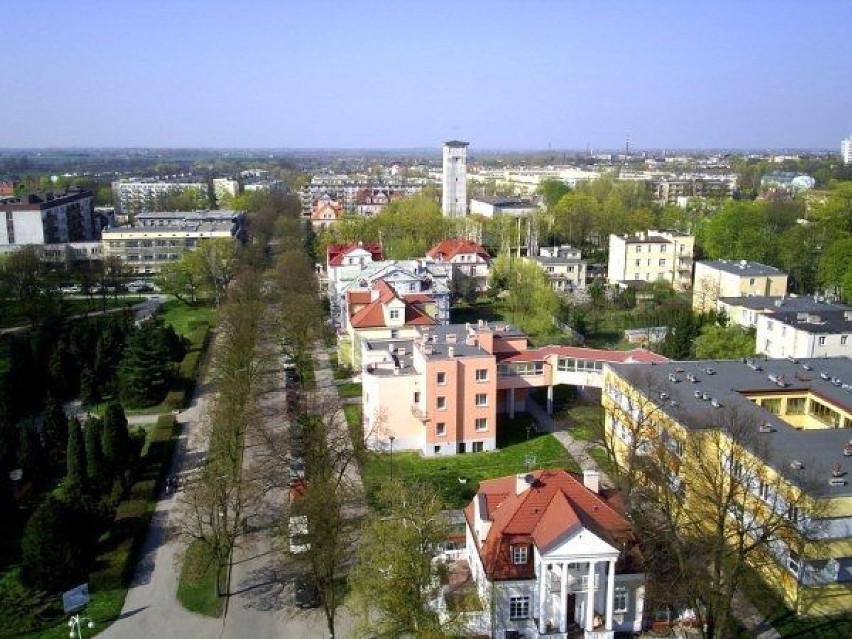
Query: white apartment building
[731, 278]
[494, 206]
[454, 179]
[651, 256]
[744, 311]
[846, 150]
[49, 218]
[563, 266]
[805, 335]
[134, 195]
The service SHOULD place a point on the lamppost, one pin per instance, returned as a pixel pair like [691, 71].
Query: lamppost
[76, 625]
[391, 455]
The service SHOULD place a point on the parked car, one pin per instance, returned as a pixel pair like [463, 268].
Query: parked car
[305, 593]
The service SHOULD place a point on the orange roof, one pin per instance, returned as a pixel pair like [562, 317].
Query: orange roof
[639, 355]
[334, 253]
[321, 207]
[448, 249]
[555, 505]
[358, 297]
[372, 315]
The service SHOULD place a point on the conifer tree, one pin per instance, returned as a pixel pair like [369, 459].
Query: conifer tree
[115, 440]
[75, 477]
[96, 472]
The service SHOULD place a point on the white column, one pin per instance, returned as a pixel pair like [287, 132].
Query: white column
[590, 598]
[563, 598]
[610, 594]
[542, 589]
[550, 400]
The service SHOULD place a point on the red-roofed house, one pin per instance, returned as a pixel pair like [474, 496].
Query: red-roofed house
[380, 313]
[340, 256]
[466, 257]
[554, 555]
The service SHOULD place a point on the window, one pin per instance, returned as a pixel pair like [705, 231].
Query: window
[619, 601]
[843, 339]
[638, 248]
[481, 423]
[437, 449]
[441, 429]
[822, 341]
[751, 281]
[416, 397]
[663, 262]
[442, 379]
[442, 403]
[394, 314]
[584, 582]
[481, 374]
[481, 399]
[793, 564]
[520, 554]
[477, 447]
[519, 607]
[638, 262]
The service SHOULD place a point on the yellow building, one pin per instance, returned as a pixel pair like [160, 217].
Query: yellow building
[731, 278]
[778, 431]
[650, 257]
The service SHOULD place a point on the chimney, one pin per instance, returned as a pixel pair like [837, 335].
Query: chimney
[592, 480]
[523, 482]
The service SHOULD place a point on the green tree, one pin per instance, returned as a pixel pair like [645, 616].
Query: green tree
[724, 342]
[96, 470]
[54, 548]
[218, 264]
[552, 191]
[834, 263]
[76, 472]
[31, 457]
[115, 441]
[54, 426]
[145, 369]
[23, 276]
[184, 278]
[394, 577]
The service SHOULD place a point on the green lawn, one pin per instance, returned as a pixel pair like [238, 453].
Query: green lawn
[197, 584]
[516, 455]
[182, 316]
[349, 390]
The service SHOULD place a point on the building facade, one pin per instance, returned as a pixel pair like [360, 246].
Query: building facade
[496, 206]
[554, 555]
[135, 194]
[651, 256]
[563, 266]
[744, 311]
[730, 278]
[49, 218]
[466, 258]
[780, 430]
[454, 179]
[824, 333]
[846, 150]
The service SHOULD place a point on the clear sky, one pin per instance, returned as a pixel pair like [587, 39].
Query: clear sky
[411, 73]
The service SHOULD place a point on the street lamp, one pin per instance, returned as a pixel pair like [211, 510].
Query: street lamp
[76, 625]
[391, 455]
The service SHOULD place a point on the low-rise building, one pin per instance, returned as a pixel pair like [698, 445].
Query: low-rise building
[788, 180]
[348, 256]
[744, 311]
[326, 213]
[466, 258]
[496, 206]
[781, 429]
[554, 555]
[651, 256]
[800, 334]
[563, 266]
[732, 278]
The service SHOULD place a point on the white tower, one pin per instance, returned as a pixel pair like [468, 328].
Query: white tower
[845, 152]
[454, 201]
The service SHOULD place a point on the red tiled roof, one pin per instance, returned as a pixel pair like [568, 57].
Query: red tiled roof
[555, 505]
[416, 317]
[358, 297]
[638, 355]
[448, 249]
[334, 253]
[418, 297]
[371, 316]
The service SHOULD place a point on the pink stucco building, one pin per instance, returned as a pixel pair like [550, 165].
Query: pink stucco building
[440, 391]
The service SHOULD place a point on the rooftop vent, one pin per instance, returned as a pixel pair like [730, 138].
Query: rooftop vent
[797, 464]
[673, 378]
[807, 367]
[705, 397]
[824, 375]
[698, 394]
[837, 381]
[765, 427]
[715, 403]
[837, 481]
[709, 371]
[664, 396]
[691, 378]
[754, 366]
[847, 450]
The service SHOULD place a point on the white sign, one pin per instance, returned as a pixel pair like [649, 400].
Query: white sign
[75, 598]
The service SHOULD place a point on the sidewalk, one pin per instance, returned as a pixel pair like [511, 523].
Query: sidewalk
[578, 449]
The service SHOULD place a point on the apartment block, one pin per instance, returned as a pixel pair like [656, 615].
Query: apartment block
[563, 266]
[731, 278]
[824, 333]
[134, 195]
[49, 218]
[744, 311]
[781, 428]
[651, 256]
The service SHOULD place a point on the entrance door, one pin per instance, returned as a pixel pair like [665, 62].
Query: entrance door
[460, 448]
[570, 605]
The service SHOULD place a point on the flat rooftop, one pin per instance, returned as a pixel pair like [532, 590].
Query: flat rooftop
[727, 382]
[742, 267]
[826, 322]
[800, 304]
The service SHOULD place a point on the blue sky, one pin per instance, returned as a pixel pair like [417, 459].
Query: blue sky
[404, 73]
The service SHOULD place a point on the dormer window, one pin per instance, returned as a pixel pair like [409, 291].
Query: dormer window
[394, 314]
[520, 554]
